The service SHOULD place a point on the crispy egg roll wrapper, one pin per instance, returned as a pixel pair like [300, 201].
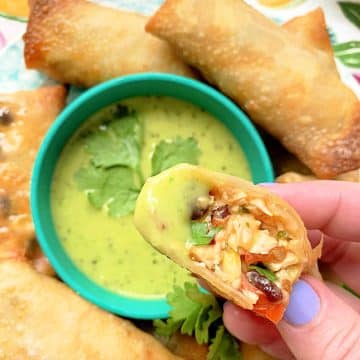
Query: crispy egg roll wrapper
[81, 43]
[25, 117]
[163, 216]
[311, 30]
[292, 176]
[41, 318]
[286, 83]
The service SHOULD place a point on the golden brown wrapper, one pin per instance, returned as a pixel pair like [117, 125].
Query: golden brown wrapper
[286, 83]
[292, 176]
[82, 43]
[151, 220]
[25, 116]
[311, 30]
[41, 318]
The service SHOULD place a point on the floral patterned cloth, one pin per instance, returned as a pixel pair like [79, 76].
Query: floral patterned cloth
[343, 20]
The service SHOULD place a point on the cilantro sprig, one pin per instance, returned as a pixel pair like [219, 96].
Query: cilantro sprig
[201, 234]
[197, 313]
[112, 177]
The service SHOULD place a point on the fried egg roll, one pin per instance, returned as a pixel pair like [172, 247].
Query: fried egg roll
[312, 31]
[246, 242]
[286, 83]
[25, 116]
[41, 318]
[81, 43]
[292, 176]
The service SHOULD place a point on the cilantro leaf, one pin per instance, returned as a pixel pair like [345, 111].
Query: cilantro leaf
[112, 187]
[264, 272]
[176, 151]
[204, 322]
[180, 296]
[207, 314]
[90, 178]
[117, 142]
[123, 203]
[166, 328]
[223, 346]
[201, 234]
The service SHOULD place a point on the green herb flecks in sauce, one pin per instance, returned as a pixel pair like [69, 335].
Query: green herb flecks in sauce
[101, 171]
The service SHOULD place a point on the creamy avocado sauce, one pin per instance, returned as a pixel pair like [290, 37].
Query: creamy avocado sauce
[110, 250]
[170, 218]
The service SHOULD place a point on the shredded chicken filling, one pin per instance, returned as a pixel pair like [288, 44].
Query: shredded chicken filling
[245, 252]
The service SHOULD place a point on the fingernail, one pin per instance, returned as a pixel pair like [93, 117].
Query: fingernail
[303, 306]
[266, 184]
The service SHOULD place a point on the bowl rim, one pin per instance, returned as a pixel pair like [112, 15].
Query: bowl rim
[138, 308]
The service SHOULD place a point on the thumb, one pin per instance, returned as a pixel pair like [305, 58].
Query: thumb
[319, 325]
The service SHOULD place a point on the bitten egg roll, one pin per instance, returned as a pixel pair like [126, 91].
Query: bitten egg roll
[82, 43]
[25, 116]
[247, 243]
[41, 318]
[287, 84]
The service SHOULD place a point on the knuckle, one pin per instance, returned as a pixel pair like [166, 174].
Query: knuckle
[344, 344]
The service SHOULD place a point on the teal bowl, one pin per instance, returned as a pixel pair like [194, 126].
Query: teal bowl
[72, 118]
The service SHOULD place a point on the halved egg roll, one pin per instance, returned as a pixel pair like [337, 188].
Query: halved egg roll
[82, 43]
[247, 243]
[287, 84]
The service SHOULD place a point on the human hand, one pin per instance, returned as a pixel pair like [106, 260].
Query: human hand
[322, 320]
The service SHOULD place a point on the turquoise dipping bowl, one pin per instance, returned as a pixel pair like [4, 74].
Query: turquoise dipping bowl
[73, 117]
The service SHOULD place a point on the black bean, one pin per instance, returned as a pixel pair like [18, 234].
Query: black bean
[197, 213]
[4, 205]
[5, 116]
[271, 290]
[220, 212]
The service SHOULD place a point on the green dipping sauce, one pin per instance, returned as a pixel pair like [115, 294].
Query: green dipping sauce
[110, 250]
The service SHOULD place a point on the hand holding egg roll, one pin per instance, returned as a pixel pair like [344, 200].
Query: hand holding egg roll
[247, 243]
[322, 315]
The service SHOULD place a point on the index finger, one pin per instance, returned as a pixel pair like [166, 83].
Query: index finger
[330, 206]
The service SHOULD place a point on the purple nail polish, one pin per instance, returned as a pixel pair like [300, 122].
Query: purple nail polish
[266, 184]
[303, 306]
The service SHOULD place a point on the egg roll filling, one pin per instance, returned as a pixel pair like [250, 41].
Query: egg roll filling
[247, 247]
